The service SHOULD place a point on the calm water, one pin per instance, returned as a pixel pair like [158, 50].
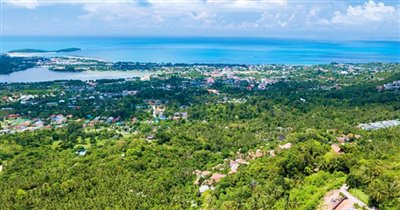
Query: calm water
[43, 75]
[216, 50]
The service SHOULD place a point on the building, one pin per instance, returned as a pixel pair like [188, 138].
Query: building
[336, 149]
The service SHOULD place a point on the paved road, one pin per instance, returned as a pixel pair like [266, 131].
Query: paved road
[343, 190]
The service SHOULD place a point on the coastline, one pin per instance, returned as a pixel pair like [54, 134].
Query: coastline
[28, 55]
[42, 74]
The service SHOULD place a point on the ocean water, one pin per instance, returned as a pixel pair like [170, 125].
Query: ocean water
[215, 50]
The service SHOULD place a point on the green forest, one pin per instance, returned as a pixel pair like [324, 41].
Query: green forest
[142, 161]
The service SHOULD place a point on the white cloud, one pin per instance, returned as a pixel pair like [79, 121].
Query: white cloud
[175, 4]
[246, 4]
[283, 18]
[32, 4]
[29, 4]
[368, 12]
[226, 16]
[246, 24]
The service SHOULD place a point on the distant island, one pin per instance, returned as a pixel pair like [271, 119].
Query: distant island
[27, 50]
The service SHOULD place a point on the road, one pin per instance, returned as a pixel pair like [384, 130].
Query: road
[343, 190]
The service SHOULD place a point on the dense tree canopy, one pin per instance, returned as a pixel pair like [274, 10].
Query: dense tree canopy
[44, 169]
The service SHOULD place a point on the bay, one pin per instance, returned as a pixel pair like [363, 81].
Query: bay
[215, 50]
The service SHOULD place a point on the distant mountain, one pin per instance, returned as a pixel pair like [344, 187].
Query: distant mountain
[27, 50]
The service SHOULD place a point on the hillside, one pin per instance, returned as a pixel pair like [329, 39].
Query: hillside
[185, 141]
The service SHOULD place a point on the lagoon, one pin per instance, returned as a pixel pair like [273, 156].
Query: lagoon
[45, 75]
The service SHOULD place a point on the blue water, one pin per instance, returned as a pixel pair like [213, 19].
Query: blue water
[216, 50]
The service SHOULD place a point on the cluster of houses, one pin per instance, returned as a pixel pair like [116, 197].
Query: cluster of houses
[23, 99]
[13, 123]
[209, 69]
[70, 62]
[395, 85]
[247, 82]
[251, 83]
[343, 139]
[100, 120]
[206, 180]
[158, 108]
[379, 125]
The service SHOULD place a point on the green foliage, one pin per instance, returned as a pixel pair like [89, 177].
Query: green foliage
[123, 170]
[13, 64]
[360, 195]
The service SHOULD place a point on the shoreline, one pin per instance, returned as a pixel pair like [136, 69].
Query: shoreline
[28, 55]
[47, 75]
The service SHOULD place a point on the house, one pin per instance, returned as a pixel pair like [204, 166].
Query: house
[219, 167]
[234, 165]
[257, 154]
[210, 81]
[272, 153]
[281, 137]
[286, 146]
[379, 125]
[13, 116]
[337, 201]
[200, 175]
[262, 87]
[342, 139]
[81, 152]
[180, 115]
[203, 188]
[158, 111]
[39, 124]
[213, 91]
[52, 104]
[5, 131]
[336, 149]
[110, 120]
[392, 86]
[58, 119]
[215, 178]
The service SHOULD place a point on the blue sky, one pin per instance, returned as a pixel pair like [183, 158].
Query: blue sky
[315, 19]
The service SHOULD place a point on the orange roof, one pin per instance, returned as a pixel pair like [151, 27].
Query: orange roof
[336, 148]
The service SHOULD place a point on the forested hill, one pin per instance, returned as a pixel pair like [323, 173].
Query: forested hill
[28, 50]
[182, 142]
[12, 64]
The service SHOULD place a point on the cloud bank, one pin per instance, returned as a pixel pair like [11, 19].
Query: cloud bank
[231, 16]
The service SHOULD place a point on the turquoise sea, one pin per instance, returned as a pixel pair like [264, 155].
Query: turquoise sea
[215, 50]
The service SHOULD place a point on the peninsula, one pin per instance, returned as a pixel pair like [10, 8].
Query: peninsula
[29, 50]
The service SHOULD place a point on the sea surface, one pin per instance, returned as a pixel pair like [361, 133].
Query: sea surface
[195, 50]
[215, 50]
